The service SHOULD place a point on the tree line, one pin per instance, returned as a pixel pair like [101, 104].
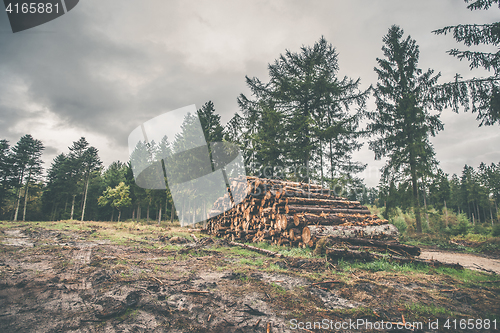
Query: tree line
[304, 124]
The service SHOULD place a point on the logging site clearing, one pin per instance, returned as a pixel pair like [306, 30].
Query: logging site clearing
[72, 276]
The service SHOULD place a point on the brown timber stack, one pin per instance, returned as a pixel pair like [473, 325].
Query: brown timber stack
[292, 213]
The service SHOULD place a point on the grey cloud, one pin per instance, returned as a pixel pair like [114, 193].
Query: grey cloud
[106, 67]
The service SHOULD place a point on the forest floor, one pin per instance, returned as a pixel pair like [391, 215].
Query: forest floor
[74, 276]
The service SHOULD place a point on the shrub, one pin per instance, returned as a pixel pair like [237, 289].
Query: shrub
[495, 232]
[460, 227]
[400, 223]
[480, 230]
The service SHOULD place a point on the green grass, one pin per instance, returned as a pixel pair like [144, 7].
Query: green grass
[279, 289]
[428, 310]
[466, 276]
[252, 262]
[381, 265]
[286, 251]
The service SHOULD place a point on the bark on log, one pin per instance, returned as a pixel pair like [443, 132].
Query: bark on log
[324, 210]
[305, 219]
[385, 231]
[409, 249]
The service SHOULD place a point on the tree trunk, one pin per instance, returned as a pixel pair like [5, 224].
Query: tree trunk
[445, 214]
[425, 207]
[25, 201]
[491, 214]
[18, 203]
[147, 213]
[54, 211]
[119, 214]
[159, 217]
[73, 207]
[478, 213]
[85, 196]
[205, 217]
[416, 203]
[172, 213]
[321, 161]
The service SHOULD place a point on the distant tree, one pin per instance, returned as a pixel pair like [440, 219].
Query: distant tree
[234, 129]
[117, 197]
[56, 189]
[402, 121]
[482, 95]
[6, 172]
[439, 190]
[85, 163]
[27, 165]
[114, 174]
[210, 122]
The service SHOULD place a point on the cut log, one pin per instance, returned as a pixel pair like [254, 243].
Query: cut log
[408, 249]
[325, 210]
[385, 231]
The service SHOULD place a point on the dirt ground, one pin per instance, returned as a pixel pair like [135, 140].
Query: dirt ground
[104, 277]
[470, 261]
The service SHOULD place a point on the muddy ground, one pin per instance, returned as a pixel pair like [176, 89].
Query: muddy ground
[126, 277]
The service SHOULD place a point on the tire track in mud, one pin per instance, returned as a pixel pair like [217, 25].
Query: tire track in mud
[80, 257]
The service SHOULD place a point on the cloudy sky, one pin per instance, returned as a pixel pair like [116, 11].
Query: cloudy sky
[107, 66]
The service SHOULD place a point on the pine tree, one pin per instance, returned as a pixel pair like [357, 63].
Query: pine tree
[84, 162]
[402, 121]
[56, 189]
[305, 92]
[6, 172]
[27, 164]
[482, 95]
[210, 122]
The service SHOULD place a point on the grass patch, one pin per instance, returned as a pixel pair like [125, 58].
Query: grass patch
[419, 310]
[252, 262]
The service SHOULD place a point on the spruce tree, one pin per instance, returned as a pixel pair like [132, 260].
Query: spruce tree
[313, 103]
[210, 122]
[481, 95]
[27, 164]
[402, 122]
[6, 172]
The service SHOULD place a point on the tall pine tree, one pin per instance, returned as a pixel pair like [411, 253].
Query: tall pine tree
[402, 121]
[313, 103]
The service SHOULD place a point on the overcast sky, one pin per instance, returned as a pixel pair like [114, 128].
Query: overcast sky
[107, 66]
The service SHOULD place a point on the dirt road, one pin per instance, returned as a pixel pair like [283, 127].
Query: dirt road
[470, 261]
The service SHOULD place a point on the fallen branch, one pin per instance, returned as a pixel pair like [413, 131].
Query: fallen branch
[253, 312]
[194, 291]
[157, 280]
[324, 282]
[485, 269]
[258, 249]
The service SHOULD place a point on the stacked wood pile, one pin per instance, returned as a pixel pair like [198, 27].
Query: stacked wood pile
[294, 214]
